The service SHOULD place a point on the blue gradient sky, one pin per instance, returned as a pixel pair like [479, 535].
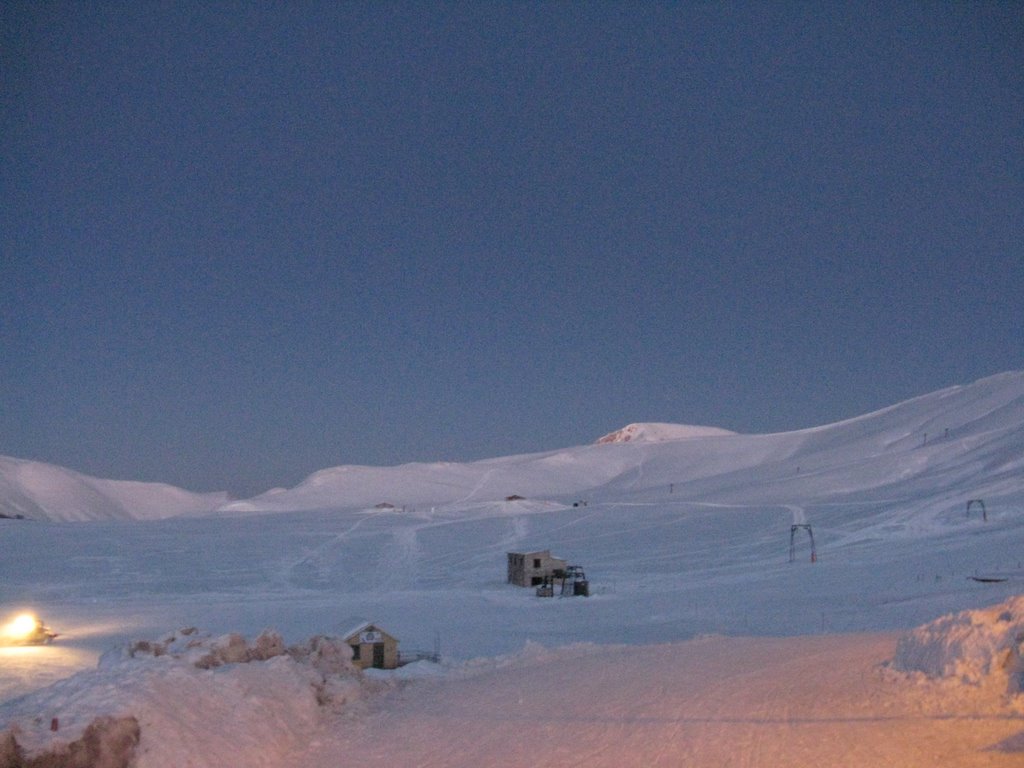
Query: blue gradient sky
[244, 242]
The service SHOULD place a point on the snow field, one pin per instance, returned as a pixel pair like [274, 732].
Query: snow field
[682, 539]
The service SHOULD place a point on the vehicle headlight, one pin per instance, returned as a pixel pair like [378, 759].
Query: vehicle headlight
[20, 627]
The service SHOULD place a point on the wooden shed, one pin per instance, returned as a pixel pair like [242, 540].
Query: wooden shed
[371, 645]
[530, 569]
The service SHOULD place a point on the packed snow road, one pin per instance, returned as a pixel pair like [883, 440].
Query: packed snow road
[709, 702]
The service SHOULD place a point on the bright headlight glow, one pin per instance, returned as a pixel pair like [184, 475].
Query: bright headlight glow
[20, 627]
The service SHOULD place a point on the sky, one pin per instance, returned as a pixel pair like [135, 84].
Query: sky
[243, 242]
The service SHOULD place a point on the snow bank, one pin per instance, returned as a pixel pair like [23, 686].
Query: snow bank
[106, 743]
[981, 647]
[196, 700]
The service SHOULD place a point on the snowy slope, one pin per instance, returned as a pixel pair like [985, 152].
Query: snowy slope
[950, 445]
[46, 492]
[681, 538]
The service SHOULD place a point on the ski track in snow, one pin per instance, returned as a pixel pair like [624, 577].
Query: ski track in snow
[476, 488]
[291, 572]
[398, 566]
[799, 516]
[518, 531]
[642, 450]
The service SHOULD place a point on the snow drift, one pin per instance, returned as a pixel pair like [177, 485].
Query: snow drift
[196, 700]
[977, 647]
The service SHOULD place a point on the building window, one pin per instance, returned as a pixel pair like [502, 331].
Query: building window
[355, 652]
[536, 562]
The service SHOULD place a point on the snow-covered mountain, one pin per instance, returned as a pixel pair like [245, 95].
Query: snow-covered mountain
[960, 440]
[40, 491]
[949, 446]
[739, 633]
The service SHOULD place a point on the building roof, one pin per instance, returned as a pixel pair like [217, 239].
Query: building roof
[352, 625]
[537, 553]
[355, 625]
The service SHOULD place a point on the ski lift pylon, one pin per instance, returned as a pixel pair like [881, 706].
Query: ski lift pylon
[792, 541]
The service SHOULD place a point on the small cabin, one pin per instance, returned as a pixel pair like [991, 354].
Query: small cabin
[531, 569]
[371, 646]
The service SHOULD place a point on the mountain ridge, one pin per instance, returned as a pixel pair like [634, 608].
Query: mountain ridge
[971, 433]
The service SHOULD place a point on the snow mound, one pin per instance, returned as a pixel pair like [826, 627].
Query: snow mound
[35, 490]
[106, 743]
[197, 700]
[657, 433]
[978, 647]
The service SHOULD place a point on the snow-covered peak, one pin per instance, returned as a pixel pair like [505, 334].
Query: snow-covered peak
[653, 432]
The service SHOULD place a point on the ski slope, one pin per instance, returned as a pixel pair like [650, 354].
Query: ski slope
[682, 533]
